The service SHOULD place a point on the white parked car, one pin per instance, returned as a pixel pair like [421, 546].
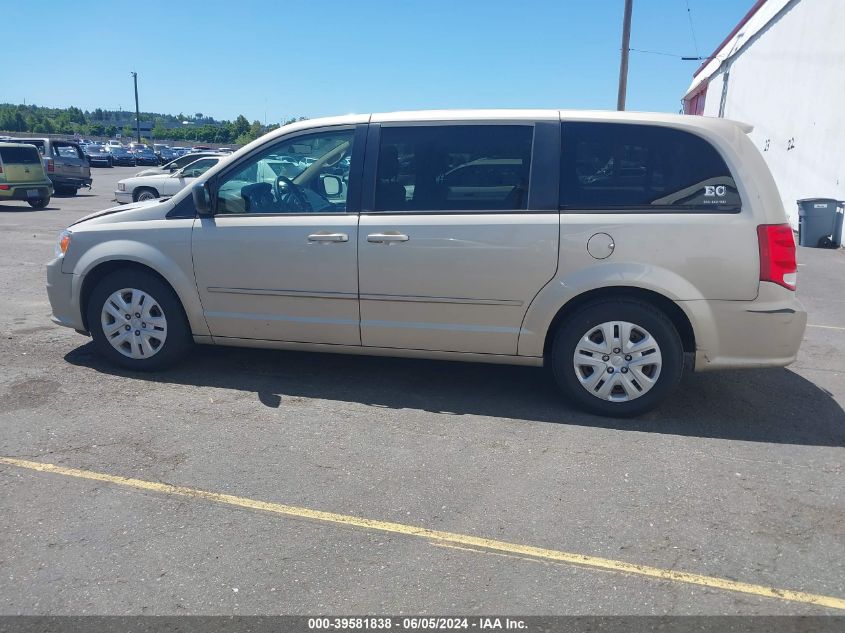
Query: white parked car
[140, 188]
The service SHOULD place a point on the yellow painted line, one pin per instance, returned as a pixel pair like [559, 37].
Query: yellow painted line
[447, 538]
[826, 327]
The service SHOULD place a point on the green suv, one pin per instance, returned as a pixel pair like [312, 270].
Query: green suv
[22, 175]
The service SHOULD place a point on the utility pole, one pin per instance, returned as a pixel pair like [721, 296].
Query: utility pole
[623, 64]
[138, 112]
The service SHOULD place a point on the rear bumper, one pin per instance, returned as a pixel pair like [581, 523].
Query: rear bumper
[70, 181]
[766, 332]
[21, 192]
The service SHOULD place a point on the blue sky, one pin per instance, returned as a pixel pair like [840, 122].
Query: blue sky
[277, 59]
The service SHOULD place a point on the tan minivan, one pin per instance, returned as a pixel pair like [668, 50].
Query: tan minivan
[604, 246]
[22, 176]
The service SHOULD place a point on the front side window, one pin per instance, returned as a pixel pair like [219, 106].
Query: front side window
[309, 174]
[624, 166]
[453, 168]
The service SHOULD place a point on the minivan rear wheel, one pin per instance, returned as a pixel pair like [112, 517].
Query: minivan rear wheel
[137, 321]
[617, 358]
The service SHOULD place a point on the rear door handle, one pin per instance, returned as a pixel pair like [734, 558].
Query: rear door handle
[328, 237]
[380, 238]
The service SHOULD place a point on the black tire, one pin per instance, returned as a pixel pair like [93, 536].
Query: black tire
[143, 193]
[66, 191]
[39, 203]
[178, 340]
[633, 311]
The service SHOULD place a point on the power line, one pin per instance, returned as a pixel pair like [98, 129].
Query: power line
[684, 57]
[692, 31]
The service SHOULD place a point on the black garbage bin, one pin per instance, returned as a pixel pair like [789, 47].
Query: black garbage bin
[820, 222]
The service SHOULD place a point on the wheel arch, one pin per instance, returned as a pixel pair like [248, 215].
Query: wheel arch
[666, 305]
[104, 268]
[139, 190]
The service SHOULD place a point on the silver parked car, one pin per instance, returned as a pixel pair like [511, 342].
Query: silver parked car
[604, 246]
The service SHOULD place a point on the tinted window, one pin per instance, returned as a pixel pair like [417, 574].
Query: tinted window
[453, 168]
[19, 155]
[68, 151]
[612, 165]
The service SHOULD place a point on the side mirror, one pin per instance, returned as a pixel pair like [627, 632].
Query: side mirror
[332, 185]
[202, 199]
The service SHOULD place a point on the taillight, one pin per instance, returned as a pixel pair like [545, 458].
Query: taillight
[5, 187]
[51, 166]
[777, 254]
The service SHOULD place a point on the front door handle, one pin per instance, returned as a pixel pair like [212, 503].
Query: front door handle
[328, 237]
[381, 238]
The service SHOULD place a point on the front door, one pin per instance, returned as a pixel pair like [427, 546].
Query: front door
[278, 260]
[451, 252]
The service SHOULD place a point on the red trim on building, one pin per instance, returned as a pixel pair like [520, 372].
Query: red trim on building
[695, 103]
[736, 29]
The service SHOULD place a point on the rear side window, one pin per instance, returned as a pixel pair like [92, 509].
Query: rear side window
[453, 168]
[621, 167]
[19, 155]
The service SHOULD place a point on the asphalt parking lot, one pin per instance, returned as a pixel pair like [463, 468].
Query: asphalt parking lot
[738, 478]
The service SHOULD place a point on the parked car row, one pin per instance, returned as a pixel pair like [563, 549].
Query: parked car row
[157, 154]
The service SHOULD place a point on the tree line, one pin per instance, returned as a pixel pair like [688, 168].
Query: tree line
[99, 122]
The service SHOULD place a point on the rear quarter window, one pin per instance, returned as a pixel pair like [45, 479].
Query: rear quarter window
[642, 168]
[19, 155]
[67, 151]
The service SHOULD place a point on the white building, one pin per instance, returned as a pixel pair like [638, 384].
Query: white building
[782, 69]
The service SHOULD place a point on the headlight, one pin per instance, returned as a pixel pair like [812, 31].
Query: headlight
[121, 186]
[63, 243]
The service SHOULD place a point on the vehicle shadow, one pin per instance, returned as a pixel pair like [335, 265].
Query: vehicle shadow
[75, 195]
[768, 405]
[24, 208]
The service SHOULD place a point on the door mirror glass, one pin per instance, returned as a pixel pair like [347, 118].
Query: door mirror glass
[202, 199]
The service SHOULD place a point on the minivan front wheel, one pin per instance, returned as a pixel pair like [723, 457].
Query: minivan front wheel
[617, 358]
[137, 322]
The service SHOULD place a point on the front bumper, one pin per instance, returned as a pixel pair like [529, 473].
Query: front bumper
[60, 293]
[123, 197]
[766, 332]
[22, 192]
